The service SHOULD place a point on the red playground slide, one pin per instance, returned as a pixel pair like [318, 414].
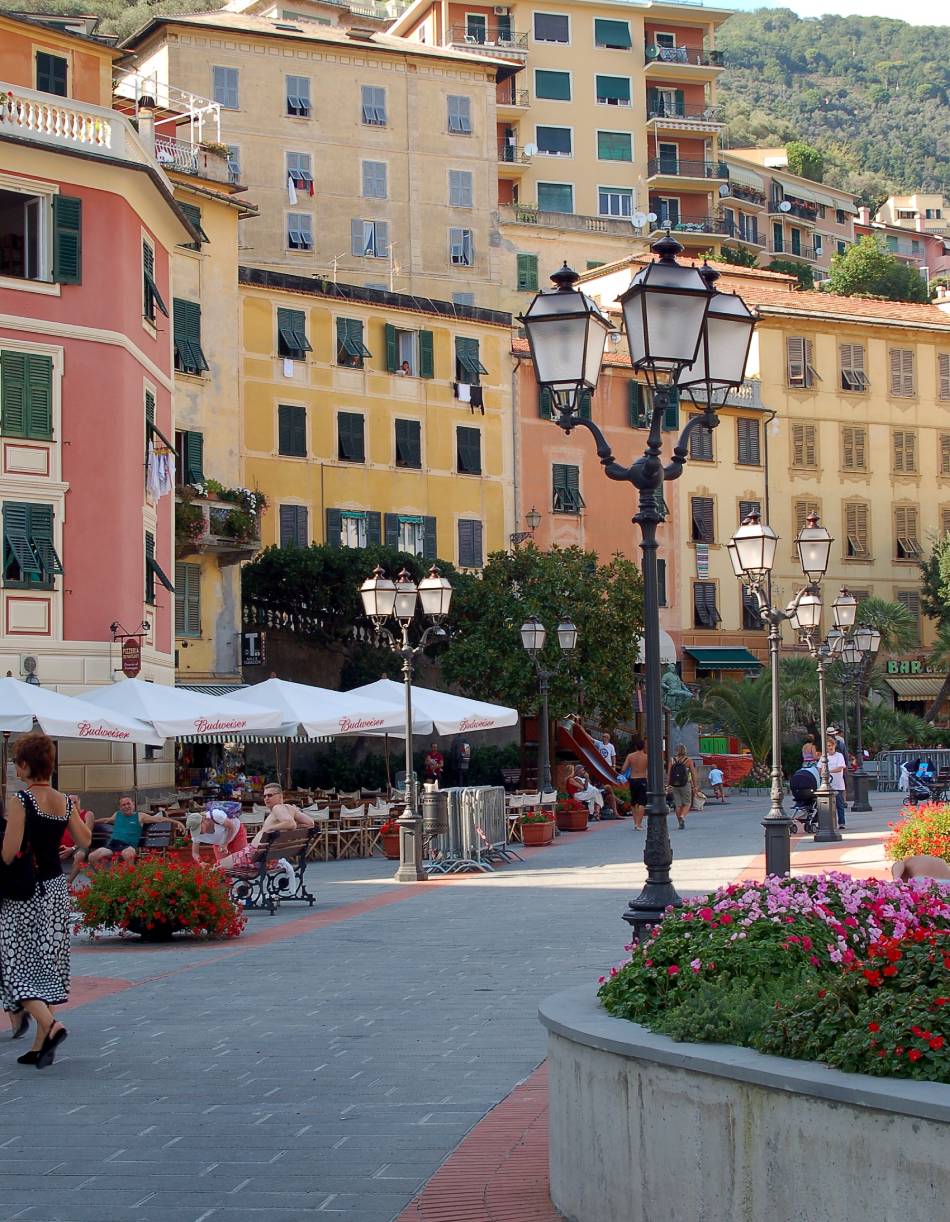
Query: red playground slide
[573, 738]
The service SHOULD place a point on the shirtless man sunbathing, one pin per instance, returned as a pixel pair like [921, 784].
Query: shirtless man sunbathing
[281, 817]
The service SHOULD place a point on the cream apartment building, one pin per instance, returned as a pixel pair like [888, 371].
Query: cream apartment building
[372, 158]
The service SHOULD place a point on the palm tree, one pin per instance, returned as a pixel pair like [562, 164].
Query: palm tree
[743, 709]
[898, 628]
[799, 689]
[940, 659]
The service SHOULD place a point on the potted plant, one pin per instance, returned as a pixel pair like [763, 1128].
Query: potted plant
[155, 899]
[537, 828]
[572, 815]
[389, 839]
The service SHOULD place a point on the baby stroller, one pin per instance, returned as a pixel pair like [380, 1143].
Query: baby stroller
[918, 787]
[803, 785]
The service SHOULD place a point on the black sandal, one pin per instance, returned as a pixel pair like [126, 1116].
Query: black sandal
[47, 1052]
[22, 1025]
[29, 1058]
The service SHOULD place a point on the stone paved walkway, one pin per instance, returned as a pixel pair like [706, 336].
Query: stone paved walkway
[331, 1060]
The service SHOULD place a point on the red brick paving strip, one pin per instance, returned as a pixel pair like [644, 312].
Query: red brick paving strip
[500, 1171]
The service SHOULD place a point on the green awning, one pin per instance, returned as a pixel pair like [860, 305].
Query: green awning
[722, 657]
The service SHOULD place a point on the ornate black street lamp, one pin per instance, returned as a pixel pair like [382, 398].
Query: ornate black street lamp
[680, 332]
[399, 601]
[533, 636]
[866, 641]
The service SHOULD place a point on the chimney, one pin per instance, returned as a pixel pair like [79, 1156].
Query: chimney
[146, 121]
[864, 216]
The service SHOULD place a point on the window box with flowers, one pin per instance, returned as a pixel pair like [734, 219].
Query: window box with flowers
[572, 816]
[537, 829]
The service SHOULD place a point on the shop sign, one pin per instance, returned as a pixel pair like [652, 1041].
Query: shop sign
[253, 649]
[909, 666]
[131, 656]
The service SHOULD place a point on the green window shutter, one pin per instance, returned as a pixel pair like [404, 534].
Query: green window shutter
[671, 417]
[41, 537]
[67, 239]
[334, 527]
[408, 444]
[149, 571]
[292, 339]
[392, 349]
[193, 215]
[545, 404]
[584, 404]
[552, 84]
[26, 395]
[13, 394]
[426, 355]
[680, 103]
[373, 529]
[189, 357]
[194, 458]
[149, 410]
[466, 354]
[615, 34]
[469, 451]
[653, 101]
[51, 74]
[187, 600]
[292, 430]
[391, 530]
[341, 335]
[528, 273]
[638, 410]
[350, 437]
[17, 548]
[430, 549]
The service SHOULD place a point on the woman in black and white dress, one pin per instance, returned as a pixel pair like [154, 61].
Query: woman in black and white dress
[34, 933]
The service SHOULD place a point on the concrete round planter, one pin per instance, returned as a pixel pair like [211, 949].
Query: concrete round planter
[645, 1129]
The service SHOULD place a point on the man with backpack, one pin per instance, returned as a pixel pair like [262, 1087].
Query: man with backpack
[682, 781]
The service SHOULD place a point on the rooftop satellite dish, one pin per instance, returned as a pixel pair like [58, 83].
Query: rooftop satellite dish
[530, 150]
[785, 206]
[724, 189]
[639, 219]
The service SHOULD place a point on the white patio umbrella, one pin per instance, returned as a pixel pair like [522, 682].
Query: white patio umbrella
[320, 712]
[174, 712]
[62, 716]
[447, 714]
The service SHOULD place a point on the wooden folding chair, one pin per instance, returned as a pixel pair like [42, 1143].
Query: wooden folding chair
[352, 840]
[513, 814]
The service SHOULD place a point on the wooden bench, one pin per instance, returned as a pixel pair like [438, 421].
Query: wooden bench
[158, 838]
[261, 884]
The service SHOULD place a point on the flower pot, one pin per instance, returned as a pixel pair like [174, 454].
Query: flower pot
[572, 820]
[536, 834]
[391, 846]
[161, 931]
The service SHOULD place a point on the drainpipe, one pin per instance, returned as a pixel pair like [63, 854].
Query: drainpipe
[765, 455]
[515, 446]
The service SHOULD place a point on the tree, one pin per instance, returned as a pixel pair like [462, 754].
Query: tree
[935, 602]
[485, 656]
[868, 270]
[734, 255]
[894, 622]
[803, 273]
[743, 709]
[805, 160]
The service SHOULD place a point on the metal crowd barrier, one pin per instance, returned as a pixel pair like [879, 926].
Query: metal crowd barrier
[477, 834]
[889, 763]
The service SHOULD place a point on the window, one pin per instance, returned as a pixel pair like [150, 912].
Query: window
[664, 40]
[700, 442]
[189, 456]
[293, 527]
[747, 442]
[556, 196]
[26, 395]
[374, 106]
[904, 452]
[804, 439]
[51, 74]
[410, 534]
[945, 453]
[818, 243]
[554, 141]
[370, 239]
[468, 451]
[409, 352]
[351, 444]
[350, 349]
[747, 508]
[353, 528]
[840, 218]
[187, 600]
[291, 430]
[299, 231]
[470, 544]
[943, 375]
[292, 339]
[298, 96]
[842, 247]
[613, 90]
[851, 357]
[459, 114]
[463, 299]
[902, 380]
[299, 171]
[910, 601]
[615, 201]
[705, 612]
[468, 367]
[856, 530]
[552, 86]
[612, 34]
[546, 404]
[854, 444]
[153, 570]
[906, 542]
[374, 180]
[751, 619]
[151, 297]
[460, 189]
[29, 557]
[566, 495]
[799, 358]
[224, 87]
[614, 146]
[551, 27]
[527, 273]
[193, 216]
[409, 444]
[702, 515]
[41, 237]
[669, 211]
[461, 247]
[801, 509]
[189, 357]
[234, 162]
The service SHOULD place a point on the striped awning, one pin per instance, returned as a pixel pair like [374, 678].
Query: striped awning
[746, 177]
[914, 687]
[212, 689]
[244, 739]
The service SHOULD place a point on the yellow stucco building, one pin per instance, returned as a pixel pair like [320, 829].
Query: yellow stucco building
[373, 417]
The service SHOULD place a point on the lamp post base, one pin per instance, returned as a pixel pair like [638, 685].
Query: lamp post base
[827, 819]
[862, 783]
[410, 850]
[643, 915]
[778, 844]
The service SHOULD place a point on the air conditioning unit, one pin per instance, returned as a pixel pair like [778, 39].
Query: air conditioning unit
[500, 10]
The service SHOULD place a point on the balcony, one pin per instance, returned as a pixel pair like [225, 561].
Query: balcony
[748, 195]
[508, 99]
[684, 167]
[68, 125]
[786, 251]
[526, 214]
[681, 57]
[803, 212]
[195, 159]
[493, 40]
[684, 118]
[225, 529]
[512, 159]
[703, 226]
[748, 395]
